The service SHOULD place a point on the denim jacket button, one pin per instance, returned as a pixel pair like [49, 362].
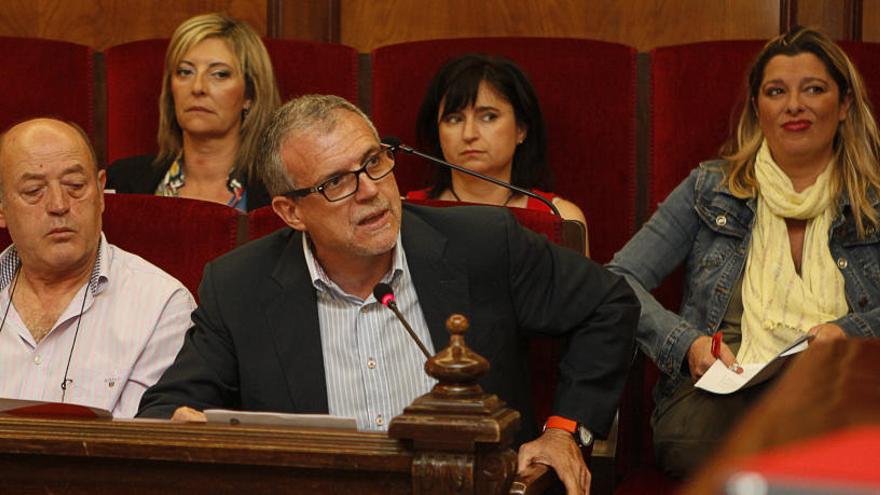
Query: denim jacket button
[721, 220]
[841, 263]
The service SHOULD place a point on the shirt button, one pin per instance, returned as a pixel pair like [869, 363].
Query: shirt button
[721, 220]
[37, 360]
[371, 363]
[380, 420]
[841, 263]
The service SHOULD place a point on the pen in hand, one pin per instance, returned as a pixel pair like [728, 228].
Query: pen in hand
[716, 352]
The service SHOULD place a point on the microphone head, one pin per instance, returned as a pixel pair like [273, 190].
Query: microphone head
[383, 293]
[392, 142]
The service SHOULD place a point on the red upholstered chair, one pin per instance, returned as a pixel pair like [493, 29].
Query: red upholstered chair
[46, 78]
[134, 82]
[865, 56]
[263, 221]
[176, 234]
[587, 94]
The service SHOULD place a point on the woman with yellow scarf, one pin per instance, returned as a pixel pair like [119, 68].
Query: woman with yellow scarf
[780, 238]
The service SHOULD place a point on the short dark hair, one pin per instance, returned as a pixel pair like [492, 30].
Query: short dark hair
[456, 86]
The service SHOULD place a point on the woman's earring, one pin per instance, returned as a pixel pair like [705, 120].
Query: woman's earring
[244, 112]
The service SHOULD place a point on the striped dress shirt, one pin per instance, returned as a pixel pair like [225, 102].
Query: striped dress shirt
[130, 330]
[372, 367]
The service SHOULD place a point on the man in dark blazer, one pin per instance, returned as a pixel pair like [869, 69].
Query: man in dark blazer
[257, 341]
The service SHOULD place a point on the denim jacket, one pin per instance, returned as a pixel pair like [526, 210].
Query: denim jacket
[704, 225]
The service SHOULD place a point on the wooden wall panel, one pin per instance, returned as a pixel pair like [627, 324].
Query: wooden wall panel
[103, 23]
[315, 20]
[871, 21]
[644, 24]
[828, 15]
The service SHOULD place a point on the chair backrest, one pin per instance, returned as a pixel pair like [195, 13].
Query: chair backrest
[176, 234]
[587, 91]
[566, 233]
[689, 119]
[134, 82]
[865, 55]
[263, 221]
[46, 78]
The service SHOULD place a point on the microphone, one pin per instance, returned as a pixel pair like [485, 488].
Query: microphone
[395, 144]
[383, 293]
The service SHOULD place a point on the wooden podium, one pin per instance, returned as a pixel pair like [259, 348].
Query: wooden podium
[453, 440]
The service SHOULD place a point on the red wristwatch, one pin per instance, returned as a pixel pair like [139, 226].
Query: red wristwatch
[582, 436]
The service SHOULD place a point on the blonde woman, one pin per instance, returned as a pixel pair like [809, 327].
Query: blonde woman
[218, 91]
[779, 238]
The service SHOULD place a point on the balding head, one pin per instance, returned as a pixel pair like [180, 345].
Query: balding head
[19, 134]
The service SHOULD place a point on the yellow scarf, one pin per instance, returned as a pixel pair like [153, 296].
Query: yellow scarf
[779, 305]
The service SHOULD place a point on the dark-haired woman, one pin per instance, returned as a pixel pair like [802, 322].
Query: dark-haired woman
[482, 113]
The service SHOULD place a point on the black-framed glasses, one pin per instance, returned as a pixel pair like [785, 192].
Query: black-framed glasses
[377, 165]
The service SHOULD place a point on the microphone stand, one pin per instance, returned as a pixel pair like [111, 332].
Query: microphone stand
[395, 144]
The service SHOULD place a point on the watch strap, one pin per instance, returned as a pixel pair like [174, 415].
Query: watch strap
[561, 423]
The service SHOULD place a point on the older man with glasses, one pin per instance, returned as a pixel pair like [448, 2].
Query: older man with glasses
[289, 323]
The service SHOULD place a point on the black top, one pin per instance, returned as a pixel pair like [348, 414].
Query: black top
[138, 175]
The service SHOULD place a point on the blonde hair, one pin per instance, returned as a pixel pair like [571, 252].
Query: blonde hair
[260, 87]
[856, 144]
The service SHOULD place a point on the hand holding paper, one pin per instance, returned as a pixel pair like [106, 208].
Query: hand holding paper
[720, 379]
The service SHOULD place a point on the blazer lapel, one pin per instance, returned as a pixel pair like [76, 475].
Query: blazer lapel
[292, 316]
[441, 283]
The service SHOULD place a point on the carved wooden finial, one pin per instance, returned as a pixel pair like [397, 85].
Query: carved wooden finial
[461, 435]
[457, 367]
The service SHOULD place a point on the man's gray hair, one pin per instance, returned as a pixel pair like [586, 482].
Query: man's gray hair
[314, 113]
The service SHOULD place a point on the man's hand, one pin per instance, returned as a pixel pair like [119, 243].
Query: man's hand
[827, 332]
[700, 357]
[189, 415]
[556, 448]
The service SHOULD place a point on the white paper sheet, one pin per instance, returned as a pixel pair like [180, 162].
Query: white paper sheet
[720, 379]
[280, 419]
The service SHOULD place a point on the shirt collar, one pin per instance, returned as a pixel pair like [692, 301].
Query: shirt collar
[322, 282]
[10, 262]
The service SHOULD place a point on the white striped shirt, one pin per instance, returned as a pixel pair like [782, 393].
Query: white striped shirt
[131, 329]
[372, 367]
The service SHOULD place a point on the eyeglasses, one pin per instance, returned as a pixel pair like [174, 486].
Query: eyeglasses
[377, 165]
